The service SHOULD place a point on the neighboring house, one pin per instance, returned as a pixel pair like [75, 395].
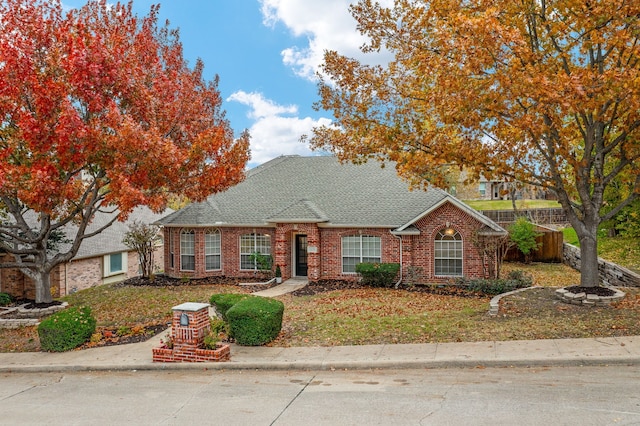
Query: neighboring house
[318, 218]
[483, 189]
[101, 259]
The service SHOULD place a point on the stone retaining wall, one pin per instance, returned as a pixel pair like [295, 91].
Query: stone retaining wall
[610, 273]
[20, 317]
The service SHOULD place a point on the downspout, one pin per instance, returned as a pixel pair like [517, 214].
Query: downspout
[400, 279]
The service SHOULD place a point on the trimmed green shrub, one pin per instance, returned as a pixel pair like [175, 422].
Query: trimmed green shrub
[66, 330]
[378, 274]
[255, 320]
[224, 301]
[5, 299]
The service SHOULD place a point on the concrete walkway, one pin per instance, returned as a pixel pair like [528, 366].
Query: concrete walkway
[137, 356]
[292, 284]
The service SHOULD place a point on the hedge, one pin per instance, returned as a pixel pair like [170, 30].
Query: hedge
[66, 330]
[378, 274]
[224, 301]
[256, 320]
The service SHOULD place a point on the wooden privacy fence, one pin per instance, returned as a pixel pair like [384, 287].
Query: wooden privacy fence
[541, 216]
[550, 251]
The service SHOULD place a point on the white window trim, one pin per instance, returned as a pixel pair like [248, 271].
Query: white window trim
[361, 257]
[219, 254]
[107, 272]
[193, 232]
[461, 241]
[255, 244]
[482, 188]
[172, 249]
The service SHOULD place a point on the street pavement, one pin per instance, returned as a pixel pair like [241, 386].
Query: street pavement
[138, 356]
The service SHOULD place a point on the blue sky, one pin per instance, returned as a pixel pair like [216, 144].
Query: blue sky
[266, 53]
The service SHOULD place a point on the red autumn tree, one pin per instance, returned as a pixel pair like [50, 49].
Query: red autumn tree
[545, 92]
[100, 112]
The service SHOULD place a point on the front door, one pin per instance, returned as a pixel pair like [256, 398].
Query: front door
[301, 255]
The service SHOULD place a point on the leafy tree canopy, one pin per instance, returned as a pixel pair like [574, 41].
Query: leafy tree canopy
[100, 110]
[546, 92]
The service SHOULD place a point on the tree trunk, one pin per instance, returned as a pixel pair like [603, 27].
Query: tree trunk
[589, 276]
[42, 282]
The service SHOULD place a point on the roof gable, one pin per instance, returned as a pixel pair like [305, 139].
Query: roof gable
[488, 223]
[302, 211]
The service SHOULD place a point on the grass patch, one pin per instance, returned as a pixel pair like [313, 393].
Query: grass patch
[117, 306]
[508, 205]
[374, 315]
[624, 251]
[569, 236]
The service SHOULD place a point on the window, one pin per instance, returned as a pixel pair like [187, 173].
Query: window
[448, 253]
[171, 249]
[482, 188]
[254, 243]
[212, 250]
[188, 250]
[358, 249]
[115, 264]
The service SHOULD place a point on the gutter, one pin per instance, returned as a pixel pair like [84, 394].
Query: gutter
[400, 279]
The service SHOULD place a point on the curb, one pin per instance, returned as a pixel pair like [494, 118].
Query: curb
[326, 366]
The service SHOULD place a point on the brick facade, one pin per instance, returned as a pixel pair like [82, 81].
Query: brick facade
[325, 248]
[188, 339]
[76, 275]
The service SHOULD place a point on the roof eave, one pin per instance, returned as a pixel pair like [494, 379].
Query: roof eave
[405, 233]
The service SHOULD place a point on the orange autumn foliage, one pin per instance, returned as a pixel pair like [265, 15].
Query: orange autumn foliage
[100, 110]
[102, 92]
[545, 92]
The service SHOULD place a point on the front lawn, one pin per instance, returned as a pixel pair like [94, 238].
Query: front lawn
[116, 306]
[374, 316]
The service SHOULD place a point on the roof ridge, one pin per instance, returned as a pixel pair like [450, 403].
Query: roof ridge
[264, 166]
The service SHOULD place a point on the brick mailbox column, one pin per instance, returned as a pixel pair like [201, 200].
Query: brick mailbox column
[189, 326]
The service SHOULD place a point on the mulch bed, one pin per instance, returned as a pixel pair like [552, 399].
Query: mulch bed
[324, 286]
[599, 291]
[166, 281]
[149, 332]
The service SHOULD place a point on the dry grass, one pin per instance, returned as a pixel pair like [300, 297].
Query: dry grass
[373, 316]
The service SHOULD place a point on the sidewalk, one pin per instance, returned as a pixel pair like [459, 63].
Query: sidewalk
[137, 356]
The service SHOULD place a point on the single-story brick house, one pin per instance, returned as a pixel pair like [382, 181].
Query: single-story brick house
[318, 218]
[101, 259]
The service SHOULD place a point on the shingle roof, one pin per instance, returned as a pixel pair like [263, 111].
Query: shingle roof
[314, 189]
[109, 240]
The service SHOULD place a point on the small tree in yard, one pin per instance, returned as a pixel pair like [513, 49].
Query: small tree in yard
[100, 112]
[143, 238]
[493, 249]
[523, 234]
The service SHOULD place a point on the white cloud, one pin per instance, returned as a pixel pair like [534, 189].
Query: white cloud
[276, 130]
[327, 25]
